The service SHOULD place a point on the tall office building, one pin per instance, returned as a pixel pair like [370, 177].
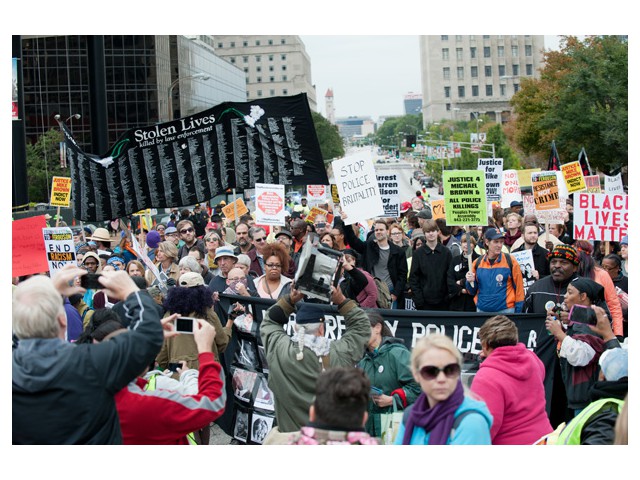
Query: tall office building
[413, 103]
[465, 75]
[274, 65]
[329, 106]
[140, 73]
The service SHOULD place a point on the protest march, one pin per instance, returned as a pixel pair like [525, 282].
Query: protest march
[221, 280]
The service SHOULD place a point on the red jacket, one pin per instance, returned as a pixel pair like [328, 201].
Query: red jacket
[165, 417]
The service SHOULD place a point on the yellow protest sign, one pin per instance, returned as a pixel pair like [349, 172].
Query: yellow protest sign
[229, 210]
[573, 177]
[60, 192]
[437, 209]
[524, 176]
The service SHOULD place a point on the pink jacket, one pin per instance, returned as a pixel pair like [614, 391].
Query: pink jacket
[368, 297]
[510, 381]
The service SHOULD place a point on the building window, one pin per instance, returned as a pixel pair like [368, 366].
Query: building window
[245, 59]
[472, 51]
[285, 91]
[460, 73]
[246, 69]
[459, 53]
[472, 37]
[516, 69]
[447, 92]
[283, 41]
[516, 87]
[270, 42]
[445, 54]
[258, 58]
[500, 51]
[487, 70]
[448, 107]
[232, 59]
[283, 57]
[272, 79]
[486, 36]
[529, 69]
[245, 43]
[489, 90]
[527, 50]
[474, 90]
[220, 45]
[271, 68]
[444, 37]
[284, 68]
[258, 69]
[271, 58]
[259, 93]
[232, 44]
[487, 52]
[514, 50]
[503, 90]
[257, 43]
[284, 78]
[502, 70]
[446, 73]
[460, 92]
[272, 92]
[259, 79]
[474, 72]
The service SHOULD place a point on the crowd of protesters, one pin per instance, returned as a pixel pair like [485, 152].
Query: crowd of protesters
[112, 347]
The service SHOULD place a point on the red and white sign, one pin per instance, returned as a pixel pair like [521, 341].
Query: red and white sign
[510, 188]
[270, 204]
[600, 216]
[316, 193]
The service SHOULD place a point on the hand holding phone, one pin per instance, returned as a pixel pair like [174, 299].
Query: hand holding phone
[184, 325]
[582, 314]
[90, 281]
[376, 391]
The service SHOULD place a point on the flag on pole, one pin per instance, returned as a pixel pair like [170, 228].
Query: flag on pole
[584, 163]
[554, 158]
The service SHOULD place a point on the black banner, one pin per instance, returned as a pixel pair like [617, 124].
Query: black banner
[246, 362]
[192, 159]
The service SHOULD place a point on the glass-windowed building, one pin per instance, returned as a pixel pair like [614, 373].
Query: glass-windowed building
[139, 70]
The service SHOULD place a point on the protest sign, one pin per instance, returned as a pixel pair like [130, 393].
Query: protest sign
[389, 188]
[593, 183]
[545, 190]
[573, 177]
[524, 177]
[28, 254]
[335, 197]
[195, 158]
[315, 211]
[316, 194]
[58, 243]
[437, 209]
[613, 185]
[510, 188]
[545, 216]
[464, 197]
[525, 260]
[270, 204]
[229, 211]
[60, 192]
[358, 189]
[600, 216]
[492, 168]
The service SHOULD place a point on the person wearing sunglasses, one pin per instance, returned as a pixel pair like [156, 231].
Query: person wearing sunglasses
[511, 382]
[188, 235]
[258, 237]
[443, 414]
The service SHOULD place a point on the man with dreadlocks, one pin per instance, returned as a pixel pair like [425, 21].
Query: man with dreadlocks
[296, 362]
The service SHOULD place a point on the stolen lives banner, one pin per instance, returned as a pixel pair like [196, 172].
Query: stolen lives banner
[249, 402]
[194, 158]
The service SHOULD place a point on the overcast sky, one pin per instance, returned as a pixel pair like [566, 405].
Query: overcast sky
[369, 75]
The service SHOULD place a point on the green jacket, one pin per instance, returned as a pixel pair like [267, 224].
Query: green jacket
[293, 382]
[395, 379]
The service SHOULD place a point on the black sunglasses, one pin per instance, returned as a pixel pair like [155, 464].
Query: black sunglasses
[186, 230]
[429, 372]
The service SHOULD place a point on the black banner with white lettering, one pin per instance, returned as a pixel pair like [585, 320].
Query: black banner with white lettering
[194, 158]
[409, 325]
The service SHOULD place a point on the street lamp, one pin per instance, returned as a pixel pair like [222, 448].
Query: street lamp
[200, 75]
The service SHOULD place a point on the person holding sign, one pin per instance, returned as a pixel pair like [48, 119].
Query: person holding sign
[496, 279]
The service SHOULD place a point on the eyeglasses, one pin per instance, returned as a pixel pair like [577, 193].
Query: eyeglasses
[430, 372]
[260, 239]
[321, 225]
[213, 239]
[187, 230]
[396, 233]
[273, 265]
[172, 234]
[607, 268]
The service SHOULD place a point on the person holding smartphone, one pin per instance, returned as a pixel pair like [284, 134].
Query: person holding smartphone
[586, 337]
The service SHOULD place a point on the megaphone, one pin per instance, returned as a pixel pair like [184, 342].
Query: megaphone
[317, 269]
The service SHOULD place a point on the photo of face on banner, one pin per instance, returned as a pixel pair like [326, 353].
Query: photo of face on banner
[241, 427]
[243, 382]
[260, 427]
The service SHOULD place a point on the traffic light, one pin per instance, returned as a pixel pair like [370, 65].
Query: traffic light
[411, 141]
[397, 153]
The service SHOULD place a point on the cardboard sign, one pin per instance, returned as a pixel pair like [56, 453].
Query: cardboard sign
[60, 192]
[358, 188]
[270, 204]
[229, 212]
[544, 216]
[573, 177]
[335, 197]
[600, 216]
[545, 191]
[492, 168]
[524, 176]
[593, 183]
[316, 193]
[389, 188]
[28, 254]
[437, 209]
[613, 185]
[464, 197]
[58, 243]
[510, 188]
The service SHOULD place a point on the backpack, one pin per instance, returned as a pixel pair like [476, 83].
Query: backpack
[509, 262]
[384, 294]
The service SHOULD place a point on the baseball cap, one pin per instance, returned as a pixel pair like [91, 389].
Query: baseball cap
[425, 214]
[170, 230]
[624, 241]
[309, 313]
[190, 279]
[615, 364]
[211, 225]
[516, 203]
[493, 234]
[284, 232]
[405, 207]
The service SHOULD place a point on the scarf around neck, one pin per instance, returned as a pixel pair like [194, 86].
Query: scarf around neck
[436, 421]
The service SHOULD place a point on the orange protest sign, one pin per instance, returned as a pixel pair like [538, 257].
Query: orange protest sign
[545, 191]
[229, 210]
[437, 209]
[60, 191]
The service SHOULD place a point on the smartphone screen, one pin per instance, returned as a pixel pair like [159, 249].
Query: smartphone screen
[184, 325]
[582, 314]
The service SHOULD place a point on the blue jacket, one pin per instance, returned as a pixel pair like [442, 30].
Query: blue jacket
[497, 287]
[474, 429]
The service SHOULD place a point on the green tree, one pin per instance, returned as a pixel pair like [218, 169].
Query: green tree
[43, 163]
[331, 144]
[392, 131]
[581, 100]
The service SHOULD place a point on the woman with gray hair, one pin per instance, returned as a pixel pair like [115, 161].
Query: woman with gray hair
[166, 257]
[189, 264]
